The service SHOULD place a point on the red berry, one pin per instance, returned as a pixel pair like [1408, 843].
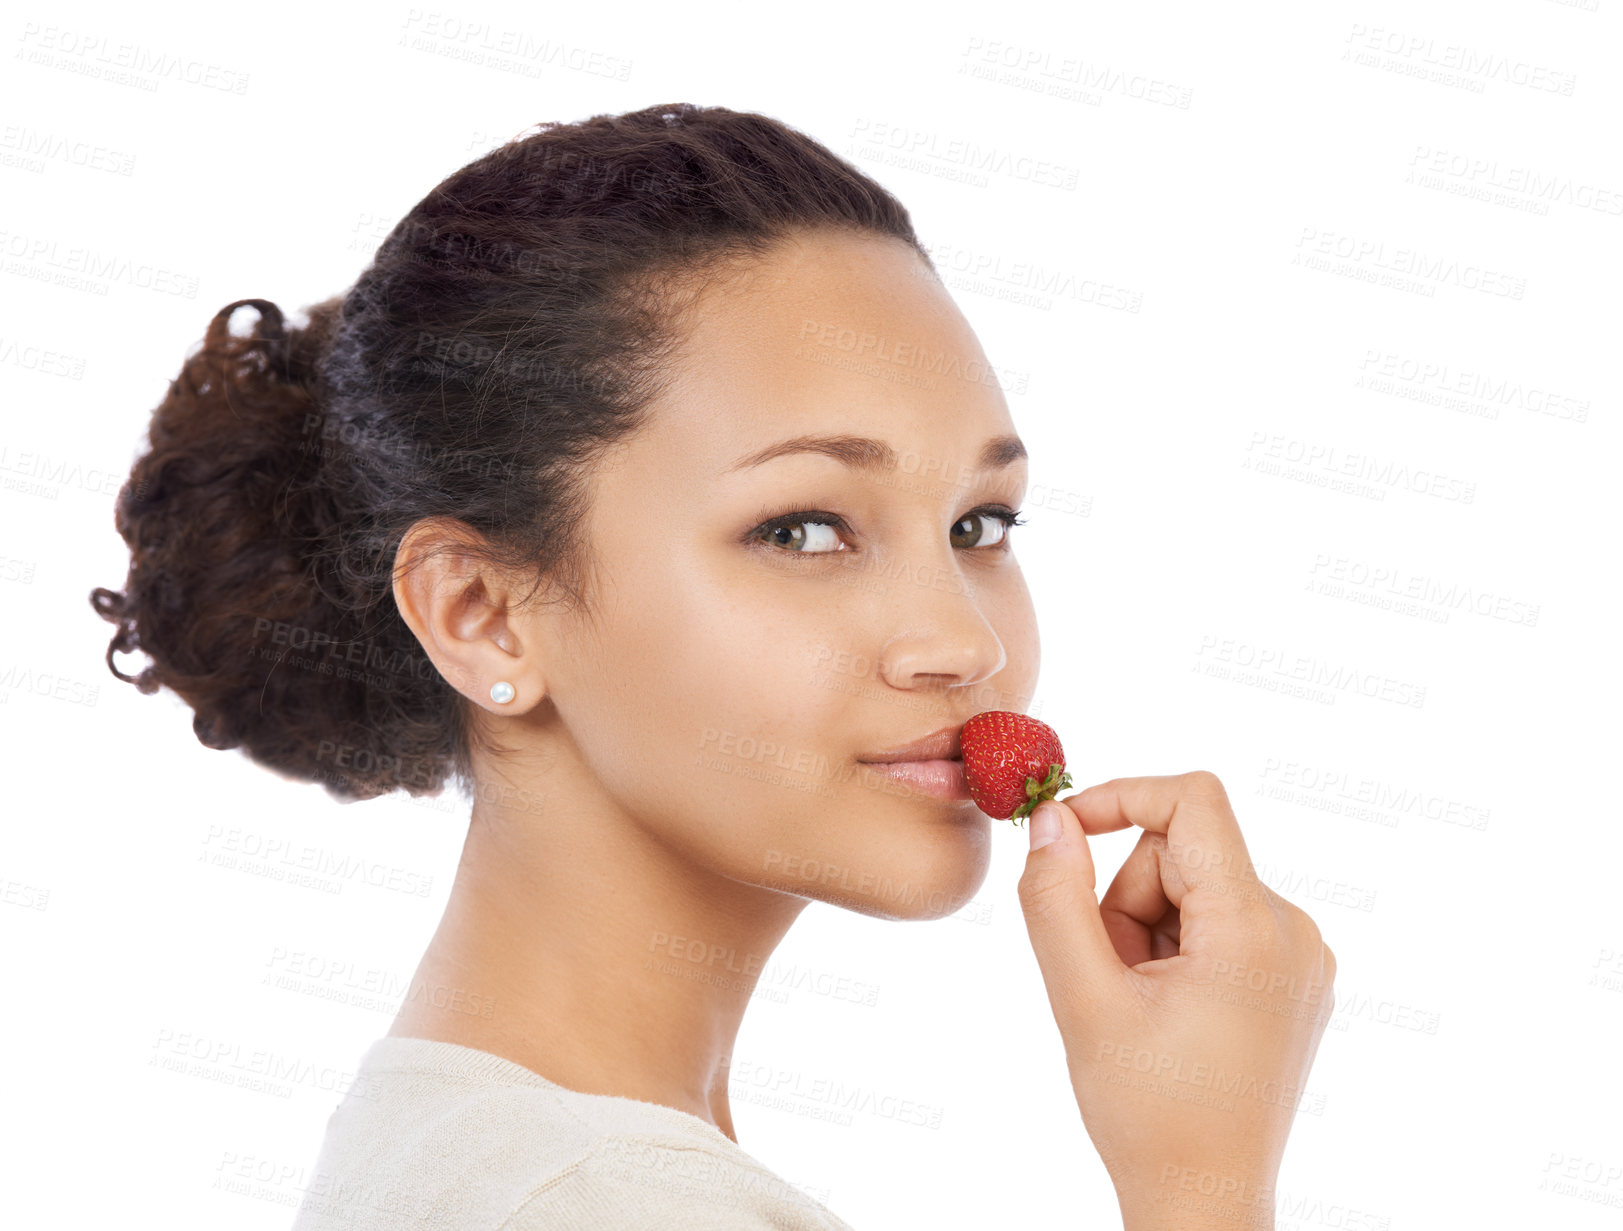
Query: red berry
[1012, 763]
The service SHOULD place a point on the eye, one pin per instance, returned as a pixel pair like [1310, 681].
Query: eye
[1004, 519]
[802, 534]
[813, 533]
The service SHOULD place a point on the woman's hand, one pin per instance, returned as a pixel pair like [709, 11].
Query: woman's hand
[1191, 999]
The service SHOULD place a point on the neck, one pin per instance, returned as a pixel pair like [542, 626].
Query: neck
[606, 961]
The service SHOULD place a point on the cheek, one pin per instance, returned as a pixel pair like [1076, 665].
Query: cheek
[694, 695]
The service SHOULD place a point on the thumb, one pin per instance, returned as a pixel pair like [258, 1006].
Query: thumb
[1057, 893]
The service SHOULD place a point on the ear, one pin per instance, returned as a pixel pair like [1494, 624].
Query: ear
[464, 612]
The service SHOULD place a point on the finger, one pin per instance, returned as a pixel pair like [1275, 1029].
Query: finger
[1093, 823]
[1079, 963]
[1204, 847]
[1139, 912]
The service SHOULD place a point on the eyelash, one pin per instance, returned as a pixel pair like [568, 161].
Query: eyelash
[1009, 517]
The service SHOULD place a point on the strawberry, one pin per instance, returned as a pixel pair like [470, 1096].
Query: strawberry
[1012, 763]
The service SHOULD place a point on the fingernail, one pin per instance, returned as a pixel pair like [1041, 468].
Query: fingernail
[1046, 823]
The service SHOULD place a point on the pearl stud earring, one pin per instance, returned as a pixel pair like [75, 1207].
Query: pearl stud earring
[502, 692]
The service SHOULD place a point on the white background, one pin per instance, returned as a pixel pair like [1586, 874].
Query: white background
[1232, 415]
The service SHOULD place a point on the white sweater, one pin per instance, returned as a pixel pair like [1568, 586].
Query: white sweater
[436, 1136]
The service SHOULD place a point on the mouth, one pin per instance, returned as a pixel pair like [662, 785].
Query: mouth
[942, 745]
[940, 778]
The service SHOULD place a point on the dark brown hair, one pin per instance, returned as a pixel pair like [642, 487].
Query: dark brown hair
[512, 327]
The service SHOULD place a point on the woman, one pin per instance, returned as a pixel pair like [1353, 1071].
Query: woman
[650, 486]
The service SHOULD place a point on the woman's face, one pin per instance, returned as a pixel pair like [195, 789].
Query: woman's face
[731, 674]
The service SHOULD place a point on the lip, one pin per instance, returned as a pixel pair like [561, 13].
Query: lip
[941, 778]
[942, 745]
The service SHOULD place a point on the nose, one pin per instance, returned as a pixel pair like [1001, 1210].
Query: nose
[952, 646]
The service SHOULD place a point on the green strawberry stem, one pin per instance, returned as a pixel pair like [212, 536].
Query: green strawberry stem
[1058, 779]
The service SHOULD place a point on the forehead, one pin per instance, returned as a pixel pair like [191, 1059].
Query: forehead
[830, 332]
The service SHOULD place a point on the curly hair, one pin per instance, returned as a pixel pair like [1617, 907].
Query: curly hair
[509, 330]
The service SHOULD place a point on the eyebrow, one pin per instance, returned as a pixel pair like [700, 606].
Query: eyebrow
[867, 453]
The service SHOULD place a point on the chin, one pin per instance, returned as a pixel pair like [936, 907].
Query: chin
[928, 873]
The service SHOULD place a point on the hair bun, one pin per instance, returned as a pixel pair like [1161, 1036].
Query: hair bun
[228, 521]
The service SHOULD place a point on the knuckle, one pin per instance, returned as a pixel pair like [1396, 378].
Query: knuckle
[1312, 938]
[1203, 782]
[1299, 940]
[1268, 898]
[1256, 927]
[1043, 890]
[1262, 899]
